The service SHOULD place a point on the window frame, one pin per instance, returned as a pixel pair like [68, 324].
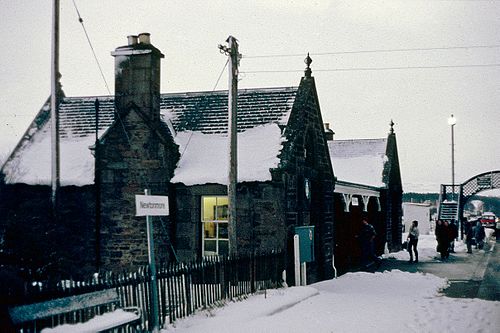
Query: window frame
[217, 222]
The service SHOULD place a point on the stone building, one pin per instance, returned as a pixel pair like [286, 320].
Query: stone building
[176, 144]
[368, 185]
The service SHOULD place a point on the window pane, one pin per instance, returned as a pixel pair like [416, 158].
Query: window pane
[223, 230]
[222, 204]
[223, 248]
[209, 204]
[210, 248]
[209, 229]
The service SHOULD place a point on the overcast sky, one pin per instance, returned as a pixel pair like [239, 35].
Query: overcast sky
[358, 103]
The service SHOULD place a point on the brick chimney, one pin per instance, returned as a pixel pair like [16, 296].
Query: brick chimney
[137, 76]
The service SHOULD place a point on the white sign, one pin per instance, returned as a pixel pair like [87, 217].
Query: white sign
[151, 205]
[484, 181]
[354, 201]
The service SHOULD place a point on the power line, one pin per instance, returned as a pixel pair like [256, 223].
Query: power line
[375, 51]
[196, 106]
[371, 68]
[91, 47]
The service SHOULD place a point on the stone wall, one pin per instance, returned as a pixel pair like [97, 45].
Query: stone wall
[31, 240]
[305, 163]
[260, 218]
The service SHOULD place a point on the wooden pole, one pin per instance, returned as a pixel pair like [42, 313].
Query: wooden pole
[54, 106]
[97, 185]
[232, 133]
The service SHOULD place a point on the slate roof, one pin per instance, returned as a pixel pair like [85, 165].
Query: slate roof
[359, 161]
[204, 112]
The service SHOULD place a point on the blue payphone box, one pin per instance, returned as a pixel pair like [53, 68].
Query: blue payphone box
[306, 243]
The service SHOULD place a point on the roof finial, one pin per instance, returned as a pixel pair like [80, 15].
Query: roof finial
[308, 62]
[392, 126]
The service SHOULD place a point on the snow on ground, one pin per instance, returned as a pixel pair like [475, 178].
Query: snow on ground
[99, 323]
[356, 302]
[392, 301]
[426, 249]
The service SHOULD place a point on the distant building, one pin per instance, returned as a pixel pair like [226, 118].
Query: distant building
[176, 144]
[420, 212]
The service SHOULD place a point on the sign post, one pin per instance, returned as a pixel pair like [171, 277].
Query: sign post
[151, 205]
[303, 251]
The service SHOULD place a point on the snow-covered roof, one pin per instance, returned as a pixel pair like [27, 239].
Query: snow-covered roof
[205, 159]
[359, 161]
[201, 116]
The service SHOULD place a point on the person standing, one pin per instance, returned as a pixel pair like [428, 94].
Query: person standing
[442, 238]
[452, 235]
[479, 234]
[413, 240]
[469, 234]
[366, 238]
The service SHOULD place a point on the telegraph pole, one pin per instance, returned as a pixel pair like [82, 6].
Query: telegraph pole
[54, 109]
[97, 182]
[234, 57]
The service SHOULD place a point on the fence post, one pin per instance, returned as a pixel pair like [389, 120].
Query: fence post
[253, 272]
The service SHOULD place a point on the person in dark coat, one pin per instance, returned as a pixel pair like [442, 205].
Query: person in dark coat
[452, 235]
[366, 239]
[479, 234]
[469, 235]
[442, 239]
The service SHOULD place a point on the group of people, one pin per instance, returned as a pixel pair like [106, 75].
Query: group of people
[446, 233]
[474, 234]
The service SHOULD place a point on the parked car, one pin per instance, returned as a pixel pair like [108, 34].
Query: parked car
[488, 220]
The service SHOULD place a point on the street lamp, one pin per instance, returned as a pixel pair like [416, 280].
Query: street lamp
[452, 121]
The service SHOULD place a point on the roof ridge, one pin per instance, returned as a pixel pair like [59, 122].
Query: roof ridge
[192, 93]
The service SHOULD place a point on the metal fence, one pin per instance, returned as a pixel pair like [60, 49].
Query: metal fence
[182, 287]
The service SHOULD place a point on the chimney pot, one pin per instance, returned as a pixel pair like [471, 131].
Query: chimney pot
[144, 38]
[132, 40]
[328, 132]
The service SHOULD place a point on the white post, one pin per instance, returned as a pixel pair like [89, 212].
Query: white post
[296, 255]
[155, 312]
[303, 273]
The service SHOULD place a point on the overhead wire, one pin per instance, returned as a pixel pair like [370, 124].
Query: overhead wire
[371, 68]
[373, 51]
[215, 87]
[91, 47]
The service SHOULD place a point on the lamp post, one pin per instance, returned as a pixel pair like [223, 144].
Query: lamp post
[452, 121]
